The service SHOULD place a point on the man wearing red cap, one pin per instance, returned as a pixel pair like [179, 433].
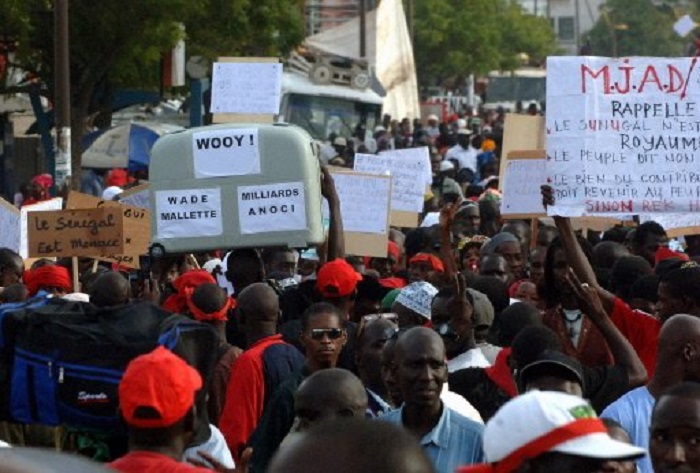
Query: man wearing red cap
[423, 266]
[336, 283]
[156, 399]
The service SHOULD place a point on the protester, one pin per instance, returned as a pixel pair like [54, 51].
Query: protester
[267, 362]
[424, 267]
[156, 399]
[370, 343]
[110, 289]
[11, 267]
[463, 151]
[351, 446]
[467, 221]
[677, 362]
[675, 427]
[420, 370]
[496, 266]
[280, 262]
[323, 337]
[521, 230]
[647, 239]
[412, 305]
[508, 246]
[469, 252]
[543, 432]
[51, 279]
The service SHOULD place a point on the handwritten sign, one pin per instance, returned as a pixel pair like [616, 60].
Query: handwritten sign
[189, 213]
[137, 227]
[364, 202]
[408, 175]
[226, 152]
[246, 88]
[136, 197]
[675, 224]
[623, 135]
[63, 233]
[10, 225]
[51, 204]
[520, 132]
[522, 197]
[272, 208]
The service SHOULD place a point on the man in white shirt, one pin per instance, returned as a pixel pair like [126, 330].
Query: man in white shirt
[452, 313]
[463, 151]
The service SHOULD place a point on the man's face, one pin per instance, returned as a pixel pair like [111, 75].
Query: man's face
[668, 304]
[323, 341]
[384, 266]
[650, 246]
[496, 266]
[285, 262]
[466, 222]
[674, 444]
[455, 329]
[369, 354]
[420, 271]
[527, 293]
[537, 265]
[561, 269]
[8, 277]
[513, 255]
[388, 368]
[435, 164]
[421, 370]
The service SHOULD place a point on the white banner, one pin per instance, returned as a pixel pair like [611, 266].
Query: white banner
[272, 208]
[188, 213]
[239, 87]
[623, 135]
[226, 152]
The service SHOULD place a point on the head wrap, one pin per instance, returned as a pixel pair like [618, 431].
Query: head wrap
[200, 315]
[177, 302]
[47, 276]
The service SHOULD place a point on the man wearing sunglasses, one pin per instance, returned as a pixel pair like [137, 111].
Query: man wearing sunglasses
[323, 337]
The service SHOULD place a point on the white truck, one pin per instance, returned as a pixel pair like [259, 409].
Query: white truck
[328, 95]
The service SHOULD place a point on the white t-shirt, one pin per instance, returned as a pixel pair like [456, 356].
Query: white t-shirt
[215, 446]
[473, 358]
[633, 412]
[456, 402]
[465, 157]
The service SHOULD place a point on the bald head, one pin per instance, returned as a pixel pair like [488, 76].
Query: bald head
[679, 347]
[350, 446]
[327, 395]
[258, 304]
[417, 341]
[110, 289]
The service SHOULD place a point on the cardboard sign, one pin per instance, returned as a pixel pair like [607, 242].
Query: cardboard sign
[271, 208]
[92, 232]
[623, 135]
[364, 207]
[136, 197]
[10, 223]
[137, 227]
[524, 174]
[51, 204]
[246, 89]
[226, 152]
[520, 132]
[188, 213]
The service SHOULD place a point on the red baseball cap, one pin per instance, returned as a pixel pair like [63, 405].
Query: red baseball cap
[337, 279]
[428, 258]
[162, 382]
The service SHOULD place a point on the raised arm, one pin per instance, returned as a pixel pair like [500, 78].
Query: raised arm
[336, 237]
[447, 216]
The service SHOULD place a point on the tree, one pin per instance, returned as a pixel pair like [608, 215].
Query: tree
[118, 43]
[634, 28]
[457, 38]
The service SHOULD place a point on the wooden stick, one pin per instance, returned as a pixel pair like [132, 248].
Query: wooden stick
[534, 230]
[94, 265]
[193, 261]
[76, 276]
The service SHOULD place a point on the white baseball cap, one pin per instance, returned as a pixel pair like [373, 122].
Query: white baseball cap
[446, 166]
[538, 422]
[432, 117]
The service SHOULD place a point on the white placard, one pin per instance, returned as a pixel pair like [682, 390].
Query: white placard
[239, 87]
[684, 25]
[623, 135]
[226, 152]
[272, 208]
[521, 187]
[188, 213]
[10, 225]
[52, 204]
[139, 199]
[414, 155]
[364, 202]
[407, 173]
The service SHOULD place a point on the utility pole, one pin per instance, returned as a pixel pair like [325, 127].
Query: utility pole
[62, 96]
[363, 29]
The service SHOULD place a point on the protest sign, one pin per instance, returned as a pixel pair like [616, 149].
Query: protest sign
[246, 90]
[410, 175]
[10, 225]
[64, 233]
[623, 135]
[137, 197]
[271, 208]
[520, 132]
[675, 224]
[225, 152]
[51, 204]
[523, 176]
[188, 213]
[137, 227]
[364, 207]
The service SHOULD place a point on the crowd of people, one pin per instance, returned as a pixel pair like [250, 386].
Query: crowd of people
[476, 344]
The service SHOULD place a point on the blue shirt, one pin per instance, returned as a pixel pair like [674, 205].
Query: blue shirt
[455, 441]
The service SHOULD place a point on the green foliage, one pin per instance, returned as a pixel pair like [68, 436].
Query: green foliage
[461, 37]
[634, 28]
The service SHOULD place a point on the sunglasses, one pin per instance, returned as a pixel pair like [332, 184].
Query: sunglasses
[367, 319]
[332, 333]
